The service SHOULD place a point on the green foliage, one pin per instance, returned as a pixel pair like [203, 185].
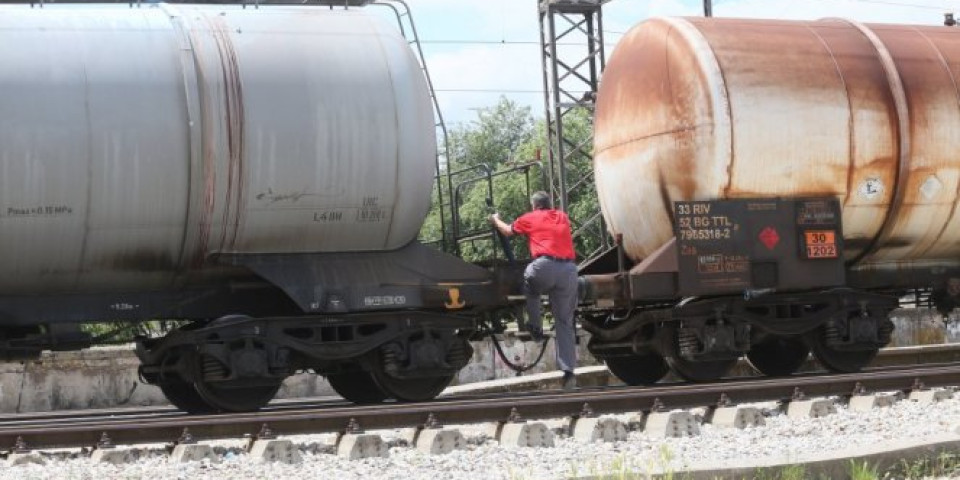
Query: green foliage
[789, 472]
[583, 207]
[494, 137]
[124, 332]
[490, 164]
[862, 471]
[946, 464]
[432, 232]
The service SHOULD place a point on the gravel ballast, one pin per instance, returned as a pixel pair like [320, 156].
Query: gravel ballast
[485, 459]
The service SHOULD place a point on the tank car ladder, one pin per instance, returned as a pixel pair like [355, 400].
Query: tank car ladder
[442, 177]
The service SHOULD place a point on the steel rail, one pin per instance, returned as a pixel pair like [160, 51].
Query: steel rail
[68, 418]
[459, 411]
[940, 352]
[887, 357]
[78, 415]
[894, 357]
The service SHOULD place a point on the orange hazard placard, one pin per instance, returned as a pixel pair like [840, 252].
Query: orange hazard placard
[821, 243]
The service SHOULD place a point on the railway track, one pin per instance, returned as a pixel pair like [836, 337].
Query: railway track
[894, 356]
[89, 415]
[67, 432]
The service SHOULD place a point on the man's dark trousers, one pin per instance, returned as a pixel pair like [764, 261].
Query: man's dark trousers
[558, 280]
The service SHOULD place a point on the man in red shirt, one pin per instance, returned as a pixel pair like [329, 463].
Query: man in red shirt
[553, 272]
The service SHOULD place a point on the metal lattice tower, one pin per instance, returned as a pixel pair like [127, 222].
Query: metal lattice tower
[571, 40]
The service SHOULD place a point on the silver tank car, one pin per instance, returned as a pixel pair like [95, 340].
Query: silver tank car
[137, 142]
[727, 108]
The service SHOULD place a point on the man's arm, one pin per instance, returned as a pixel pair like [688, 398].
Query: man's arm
[501, 226]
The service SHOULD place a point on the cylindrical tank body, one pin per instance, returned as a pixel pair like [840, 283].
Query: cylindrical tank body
[726, 108]
[136, 142]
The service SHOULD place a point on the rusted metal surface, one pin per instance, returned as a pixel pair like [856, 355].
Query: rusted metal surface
[918, 354]
[137, 142]
[698, 109]
[454, 411]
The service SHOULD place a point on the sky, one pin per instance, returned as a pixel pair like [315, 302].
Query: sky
[480, 50]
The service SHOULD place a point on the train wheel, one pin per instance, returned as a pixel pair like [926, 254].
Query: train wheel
[838, 360]
[183, 396]
[236, 399]
[635, 370]
[408, 389]
[695, 371]
[226, 397]
[411, 389]
[778, 356]
[705, 371]
[357, 387]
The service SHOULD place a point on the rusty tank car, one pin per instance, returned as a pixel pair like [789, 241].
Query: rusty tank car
[847, 131]
[260, 174]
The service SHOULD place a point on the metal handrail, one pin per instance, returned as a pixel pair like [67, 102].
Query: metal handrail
[440, 124]
[488, 177]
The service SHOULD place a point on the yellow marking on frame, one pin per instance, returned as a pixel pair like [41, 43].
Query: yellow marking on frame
[455, 301]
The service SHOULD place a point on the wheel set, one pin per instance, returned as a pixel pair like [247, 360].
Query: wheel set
[772, 355]
[377, 385]
[203, 396]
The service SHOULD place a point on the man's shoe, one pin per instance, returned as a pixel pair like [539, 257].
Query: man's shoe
[569, 381]
[536, 332]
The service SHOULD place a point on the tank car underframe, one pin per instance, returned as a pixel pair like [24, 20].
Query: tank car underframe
[30, 324]
[761, 277]
[943, 282]
[842, 326]
[237, 356]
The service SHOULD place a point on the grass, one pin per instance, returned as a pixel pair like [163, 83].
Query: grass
[789, 472]
[623, 467]
[943, 465]
[863, 471]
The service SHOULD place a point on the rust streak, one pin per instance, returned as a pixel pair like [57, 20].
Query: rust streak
[895, 84]
[653, 135]
[851, 152]
[956, 90]
[729, 105]
[209, 189]
[208, 152]
[233, 110]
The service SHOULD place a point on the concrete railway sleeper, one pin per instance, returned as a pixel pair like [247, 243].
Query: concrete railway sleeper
[715, 447]
[655, 408]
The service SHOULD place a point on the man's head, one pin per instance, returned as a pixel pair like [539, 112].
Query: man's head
[540, 201]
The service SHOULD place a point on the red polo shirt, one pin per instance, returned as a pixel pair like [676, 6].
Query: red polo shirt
[548, 232]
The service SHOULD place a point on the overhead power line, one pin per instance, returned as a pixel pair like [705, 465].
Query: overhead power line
[902, 4]
[496, 90]
[896, 4]
[496, 42]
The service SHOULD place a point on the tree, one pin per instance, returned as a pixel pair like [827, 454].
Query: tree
[490, 163]
[495, 137]
[582, 204]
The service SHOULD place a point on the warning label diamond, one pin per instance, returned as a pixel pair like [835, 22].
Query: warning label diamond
[769, 237]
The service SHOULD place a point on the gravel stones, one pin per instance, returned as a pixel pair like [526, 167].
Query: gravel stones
[482, 457]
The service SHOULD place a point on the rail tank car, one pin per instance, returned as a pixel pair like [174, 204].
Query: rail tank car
[260, 174]
[708, 109]
[789, 181]
[136, 143]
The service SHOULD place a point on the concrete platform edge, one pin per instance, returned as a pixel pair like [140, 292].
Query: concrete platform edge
[881, 456]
